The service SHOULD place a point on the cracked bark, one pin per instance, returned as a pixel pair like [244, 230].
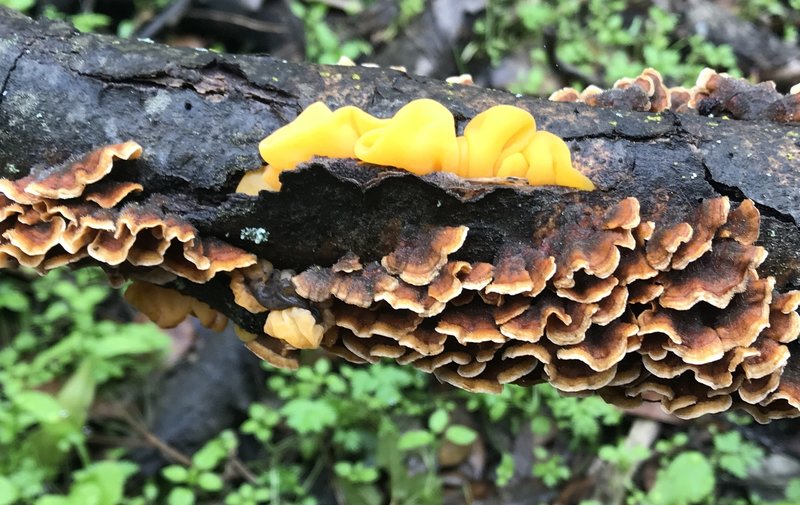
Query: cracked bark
[199, 116]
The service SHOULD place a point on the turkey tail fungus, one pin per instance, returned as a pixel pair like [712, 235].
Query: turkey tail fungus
[714, 94]
[70, 215]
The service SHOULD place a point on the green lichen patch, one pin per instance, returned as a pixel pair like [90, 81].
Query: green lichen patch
[254, 235]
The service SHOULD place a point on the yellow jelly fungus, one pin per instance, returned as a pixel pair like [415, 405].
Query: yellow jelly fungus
[421, 138]
[539, 155]
[566, 175]
[499, 142]
[168, 308]
[252, 182]
[296, 142]
[295, 326]
[317, 132]
[502, 129]
[514, 165]
[271, 178]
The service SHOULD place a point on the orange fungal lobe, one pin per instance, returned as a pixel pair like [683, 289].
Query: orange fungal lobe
[421, 137]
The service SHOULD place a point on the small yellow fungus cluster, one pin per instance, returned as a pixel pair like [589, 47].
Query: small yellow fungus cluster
[421, 138]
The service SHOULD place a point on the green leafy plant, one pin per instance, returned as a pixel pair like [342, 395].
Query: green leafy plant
[549, 467]
[735, 455]
[623, 456]
[261, 422]
[248, 494]
[695, 474]
[352, 416]
[408, 10]
[200, 478]
[588, 32]
[20, 5]
[667, 446]
[793, 491]
[583, 417]
[505, 470]
[52, 338]
[100, 483]
[86, 22]
[764, 11]
[322, 43]
[544, 408]
[356, 472]
[405, 487]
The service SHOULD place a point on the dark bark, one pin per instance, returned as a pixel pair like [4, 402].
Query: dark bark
[199, 116]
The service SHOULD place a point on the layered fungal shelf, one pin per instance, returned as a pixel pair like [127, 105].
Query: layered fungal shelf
[71, 215]
[607, 303]
[713, 94]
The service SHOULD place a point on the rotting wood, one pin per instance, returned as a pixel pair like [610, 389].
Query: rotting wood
[200, 115]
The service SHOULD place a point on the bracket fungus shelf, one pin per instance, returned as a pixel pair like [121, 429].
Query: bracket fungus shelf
[714, 94]
[71, 214]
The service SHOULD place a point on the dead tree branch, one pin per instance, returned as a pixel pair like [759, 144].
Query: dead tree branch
[199, 116]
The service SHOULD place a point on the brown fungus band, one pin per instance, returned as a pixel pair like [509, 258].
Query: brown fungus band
[714, 93]
[614, 303]
[68, 215]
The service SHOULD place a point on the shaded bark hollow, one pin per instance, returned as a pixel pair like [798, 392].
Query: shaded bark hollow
[672, 282]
